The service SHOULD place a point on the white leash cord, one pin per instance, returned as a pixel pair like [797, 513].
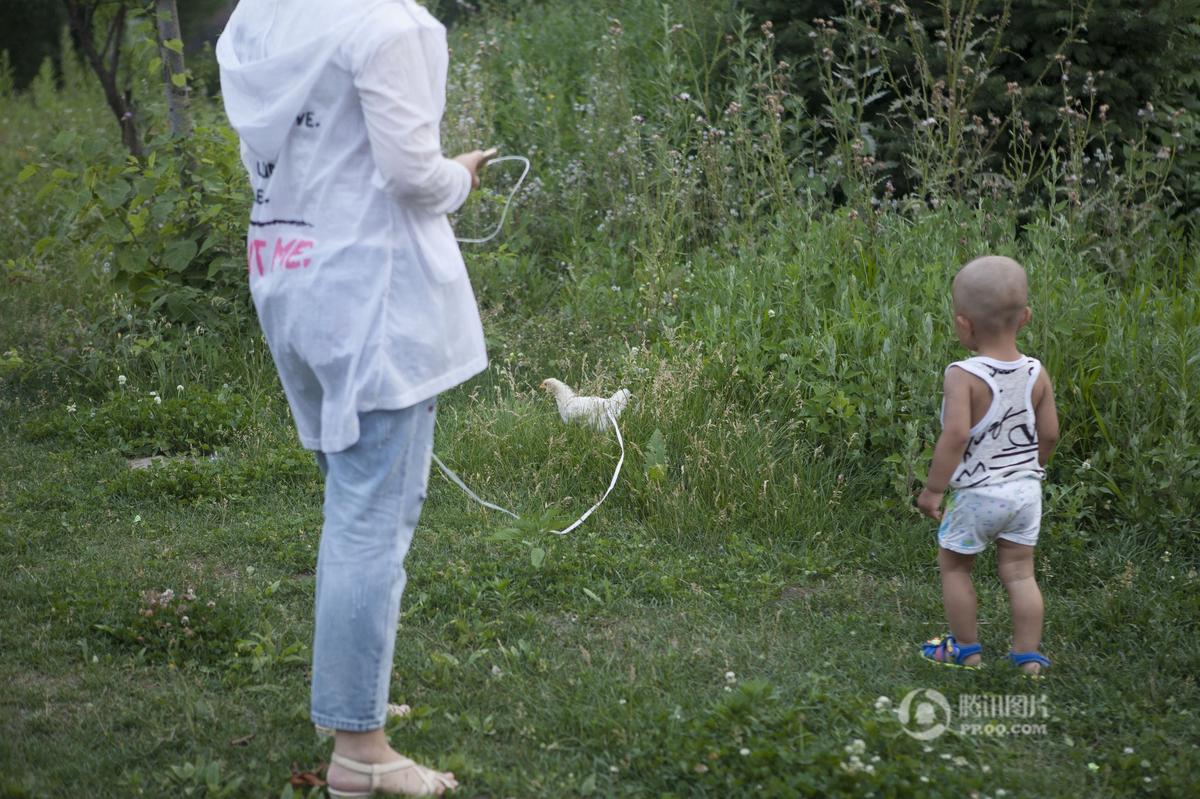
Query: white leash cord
[454, 478]
[446, 470]
[507, 203]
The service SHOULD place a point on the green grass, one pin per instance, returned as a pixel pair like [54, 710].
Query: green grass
[784, 356]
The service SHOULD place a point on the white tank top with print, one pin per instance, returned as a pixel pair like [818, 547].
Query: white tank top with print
[1003, 446]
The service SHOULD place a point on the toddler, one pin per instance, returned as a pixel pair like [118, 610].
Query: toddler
[999, 427]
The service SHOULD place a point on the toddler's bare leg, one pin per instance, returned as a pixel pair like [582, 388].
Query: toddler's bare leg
[958, 596]
[1015, 562]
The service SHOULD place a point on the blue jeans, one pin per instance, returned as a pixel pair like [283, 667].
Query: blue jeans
[373, 496]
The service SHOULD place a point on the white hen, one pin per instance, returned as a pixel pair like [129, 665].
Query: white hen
[585, 410]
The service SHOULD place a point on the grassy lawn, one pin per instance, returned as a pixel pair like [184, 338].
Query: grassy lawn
[603, 670]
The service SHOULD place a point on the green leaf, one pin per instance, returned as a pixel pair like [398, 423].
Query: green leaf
[180, 80]
[592, 594]
[113, 194]
[537, 556]
[154, 66]
[656, 457]
[174, 45]
[179, 254]
[25, 174]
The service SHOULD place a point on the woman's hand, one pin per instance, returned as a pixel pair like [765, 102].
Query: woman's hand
[474, 161]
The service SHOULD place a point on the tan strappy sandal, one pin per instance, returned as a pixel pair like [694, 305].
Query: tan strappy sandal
[378, 771]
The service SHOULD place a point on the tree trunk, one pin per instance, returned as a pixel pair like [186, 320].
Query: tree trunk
[106, 63]
[170, 46]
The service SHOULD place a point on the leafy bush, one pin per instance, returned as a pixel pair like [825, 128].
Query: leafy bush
[180, 628]
[170, 229]
[224, 479]
[1129, 54]
[197, 421]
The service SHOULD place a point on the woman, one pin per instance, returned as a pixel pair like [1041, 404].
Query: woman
[365, 303]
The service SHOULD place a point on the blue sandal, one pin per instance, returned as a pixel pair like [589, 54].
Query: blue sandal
[1021, 658]
[945, 651]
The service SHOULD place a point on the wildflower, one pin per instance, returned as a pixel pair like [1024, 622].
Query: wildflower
[496, 672]
[157, 400]
[166, 597]
[1093, 767]
[120, 380]
[770, 313]
[184, 620]
[613, 769]
[743, 751]
[883, 703]
[179, 389]
[620, 701]
[1163, 153]
[190, 594]
[71, 408]
[856, 747]
[960, 761]
[137, 519]
[676, 28]
[1128, 750]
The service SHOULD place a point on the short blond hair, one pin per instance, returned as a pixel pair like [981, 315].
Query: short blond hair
[993, 292]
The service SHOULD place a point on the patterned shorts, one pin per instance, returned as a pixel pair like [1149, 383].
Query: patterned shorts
[975, 517]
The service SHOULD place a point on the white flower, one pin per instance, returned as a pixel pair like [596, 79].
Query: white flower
[613, 769]
[157, 400]
[620, 701]
[496, 672]
[883, 703]
[120, 380]
[137, 519]
[184, 620]
[730, 677]
[960, 761]
[1128, 750]
[743, 751]
[71, 408]
[179, 389]
[770, 313]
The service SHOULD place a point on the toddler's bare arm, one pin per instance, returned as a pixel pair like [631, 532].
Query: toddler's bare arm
[1045, 415]
[947, 454]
